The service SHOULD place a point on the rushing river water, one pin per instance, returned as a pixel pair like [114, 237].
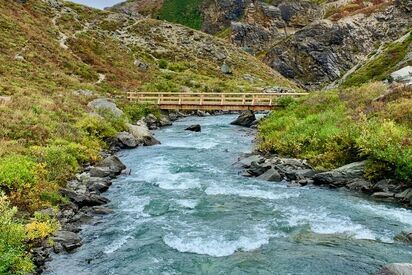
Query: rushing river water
[186, 210]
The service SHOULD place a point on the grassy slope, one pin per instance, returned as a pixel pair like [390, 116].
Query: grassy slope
[46, 133]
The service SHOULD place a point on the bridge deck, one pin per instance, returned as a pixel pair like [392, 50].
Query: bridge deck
[211, 101]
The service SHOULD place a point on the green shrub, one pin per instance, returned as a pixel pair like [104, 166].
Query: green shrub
[17, 172]
[96, 126]
[13, 258]
[389, 146]
[138, 111]
[163, 64]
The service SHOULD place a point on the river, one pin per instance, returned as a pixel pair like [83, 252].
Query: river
[186, 210]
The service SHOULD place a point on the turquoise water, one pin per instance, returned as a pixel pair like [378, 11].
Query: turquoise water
[186, 210]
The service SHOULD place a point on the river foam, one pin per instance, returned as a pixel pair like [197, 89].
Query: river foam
[215, 244]
[248, 191]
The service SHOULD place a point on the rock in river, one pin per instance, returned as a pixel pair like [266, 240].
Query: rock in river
[66, 240]
[341, 176]
[245, 119]
[142, 134]
[396, 269]
[127, 140]
[194, 128]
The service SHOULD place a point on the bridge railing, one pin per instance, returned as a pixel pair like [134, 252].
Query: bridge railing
[213, 99]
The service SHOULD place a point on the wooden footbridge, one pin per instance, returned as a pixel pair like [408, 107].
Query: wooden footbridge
[211, 101]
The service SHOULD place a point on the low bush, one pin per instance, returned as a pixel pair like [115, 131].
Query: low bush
[17, 172]
[13, 255]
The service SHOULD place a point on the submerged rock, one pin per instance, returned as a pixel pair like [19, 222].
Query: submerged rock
[405, 236]
[245, 119]
[396, 269]
[194, 128]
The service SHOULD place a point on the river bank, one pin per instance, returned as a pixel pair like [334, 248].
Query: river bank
[187, 204]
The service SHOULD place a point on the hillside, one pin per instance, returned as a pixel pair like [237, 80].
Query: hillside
[282, 33]
[55, 57]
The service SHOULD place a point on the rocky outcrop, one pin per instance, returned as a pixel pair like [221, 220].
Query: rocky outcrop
[396, 269]
[245, 119]
[324, 50]
[66, 240]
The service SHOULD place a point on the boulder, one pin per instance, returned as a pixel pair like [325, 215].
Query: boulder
[84, 199]
[256, 169]
[142, 134]
[115, 165]
[164, 121]
[386, 185]
[68, 240]
[405, 196]
[341, 176]
[194, 128]
[396, 269]
[98, 187]
[405, 236]
[226, 69]
[300, 174]
[360, 185]
[103, 104]
[247, 162]
[151, 121]
[127, 140]
[101, 172]
[403, 75]
[271, 175]
[245, 119]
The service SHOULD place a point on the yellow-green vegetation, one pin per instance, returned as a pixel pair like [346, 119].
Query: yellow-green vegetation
[334, 128]
[50, 53]
[383, 65]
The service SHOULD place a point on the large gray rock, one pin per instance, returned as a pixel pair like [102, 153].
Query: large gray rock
[342, 175]
[405, 236]
[151, 121]
[245, 119]
[68, 240]
[271, 175]
[84, 199]
[104, 105]
[256, 169]
[127, 140]
[360, 184]
[396, 269]
[115, 165]
[247, 162]
[405, 196]
[403, 75]
[142, 134]
[101, 172]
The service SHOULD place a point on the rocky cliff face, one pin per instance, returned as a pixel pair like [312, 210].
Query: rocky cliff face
[325, 50]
